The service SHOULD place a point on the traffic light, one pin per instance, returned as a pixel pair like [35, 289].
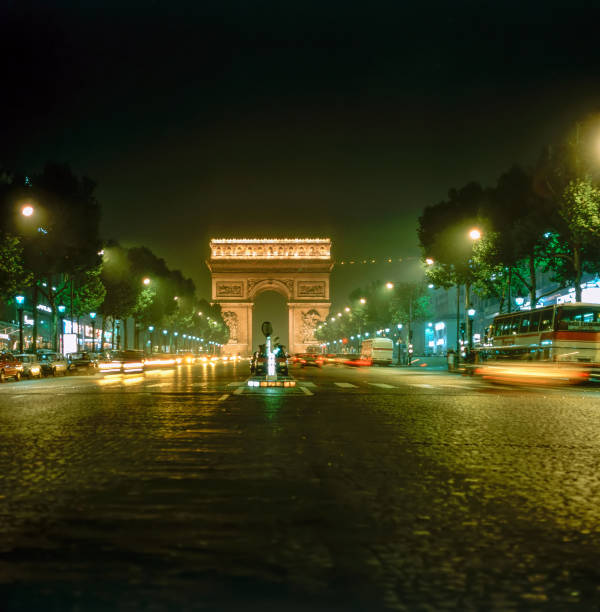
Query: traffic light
[462, 330]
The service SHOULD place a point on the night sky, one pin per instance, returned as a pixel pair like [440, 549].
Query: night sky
[259, 118]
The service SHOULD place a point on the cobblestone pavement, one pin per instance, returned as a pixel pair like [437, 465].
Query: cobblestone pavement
[361, 489]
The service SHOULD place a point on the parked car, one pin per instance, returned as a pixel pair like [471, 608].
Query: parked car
[10, 367]
[83, 362]
[31, 366]
[53, 364]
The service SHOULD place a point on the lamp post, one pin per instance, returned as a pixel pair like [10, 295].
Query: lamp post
[150, 330]
[93, 318]
[20, 300]
[470, 315]
[61, 310]
[165, 332]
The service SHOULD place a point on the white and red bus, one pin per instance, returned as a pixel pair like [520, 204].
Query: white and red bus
[565, 335]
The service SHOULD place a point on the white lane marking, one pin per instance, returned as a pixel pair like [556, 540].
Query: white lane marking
[223, 397]
[239, 391]
[236, 384]
[308, 383]
[382, 385]
[345, 385]
[306, 391]
[422, 385]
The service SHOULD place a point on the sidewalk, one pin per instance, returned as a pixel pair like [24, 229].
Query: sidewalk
[434, 361]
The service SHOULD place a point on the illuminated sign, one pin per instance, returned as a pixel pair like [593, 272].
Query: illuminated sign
[44, 308]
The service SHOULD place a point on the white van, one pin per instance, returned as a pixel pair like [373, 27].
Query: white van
[378, 350]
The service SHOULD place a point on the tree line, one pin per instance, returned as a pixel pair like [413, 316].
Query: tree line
[54, 250]
[377, 307]
[540, 218]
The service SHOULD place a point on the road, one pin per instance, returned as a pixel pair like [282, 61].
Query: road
[360, 489]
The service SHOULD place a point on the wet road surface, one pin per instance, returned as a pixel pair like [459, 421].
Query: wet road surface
[361, 489]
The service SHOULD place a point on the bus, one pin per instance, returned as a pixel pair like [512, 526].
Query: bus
[379, 351]
[564, 335]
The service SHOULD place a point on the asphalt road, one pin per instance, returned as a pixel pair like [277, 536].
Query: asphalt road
[360, 489]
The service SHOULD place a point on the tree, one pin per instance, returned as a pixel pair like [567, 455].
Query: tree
[13, 275]
[512, 248]
[574, 247]
[444, 238]
[410, 304]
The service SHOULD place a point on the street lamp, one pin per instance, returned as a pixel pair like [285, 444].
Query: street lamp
[429, 261]
[61, 310]
[389, 285]
[363, 300]
[347, 309]
[27, 210]
[150, 330]
[20, 300]
[475, 234]
[93, 318]
[146, 281]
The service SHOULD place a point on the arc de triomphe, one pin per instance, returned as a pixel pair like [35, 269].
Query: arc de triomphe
[299, 269]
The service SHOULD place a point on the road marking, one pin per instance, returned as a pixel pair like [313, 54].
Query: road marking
[308, 383]
[306, 391]
[382, 385]
[422, 385]
[239, 390]
[236, 384]
[165, 384]
[223, 397]
[345, 385]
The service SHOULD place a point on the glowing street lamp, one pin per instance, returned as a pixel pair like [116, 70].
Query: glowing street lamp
[429, 261]
[61, 310]
[27, 210]
[362, 301]
[93, 318]
[389, 285]
[347, 309]
[475, 234]
[146, 281]
[20, 300]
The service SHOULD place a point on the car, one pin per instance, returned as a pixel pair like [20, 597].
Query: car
[31, 366]
[82, 362]
[126, 361]
[10, 367]
[311, 359]
[53, 364]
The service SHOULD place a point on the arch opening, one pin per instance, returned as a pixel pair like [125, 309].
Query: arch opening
[270, 306]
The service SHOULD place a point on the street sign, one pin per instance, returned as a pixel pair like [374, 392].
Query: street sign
[267, 328]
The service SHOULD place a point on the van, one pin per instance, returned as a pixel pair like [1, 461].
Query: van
[378, 351]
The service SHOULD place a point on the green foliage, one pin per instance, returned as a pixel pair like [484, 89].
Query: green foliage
[444, 235]
[88, 292]
[13, 275]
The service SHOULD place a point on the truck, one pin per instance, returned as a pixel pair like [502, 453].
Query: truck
[378, 351]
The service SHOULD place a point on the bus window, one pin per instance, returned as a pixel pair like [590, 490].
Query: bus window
[524, 327]
[534, 321]
[546, 320]
[514, 324]
[586, 318]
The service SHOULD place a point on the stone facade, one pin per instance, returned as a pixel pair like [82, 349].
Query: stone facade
[298, 269]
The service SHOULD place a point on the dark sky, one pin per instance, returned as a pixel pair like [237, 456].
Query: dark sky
[265, 118]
